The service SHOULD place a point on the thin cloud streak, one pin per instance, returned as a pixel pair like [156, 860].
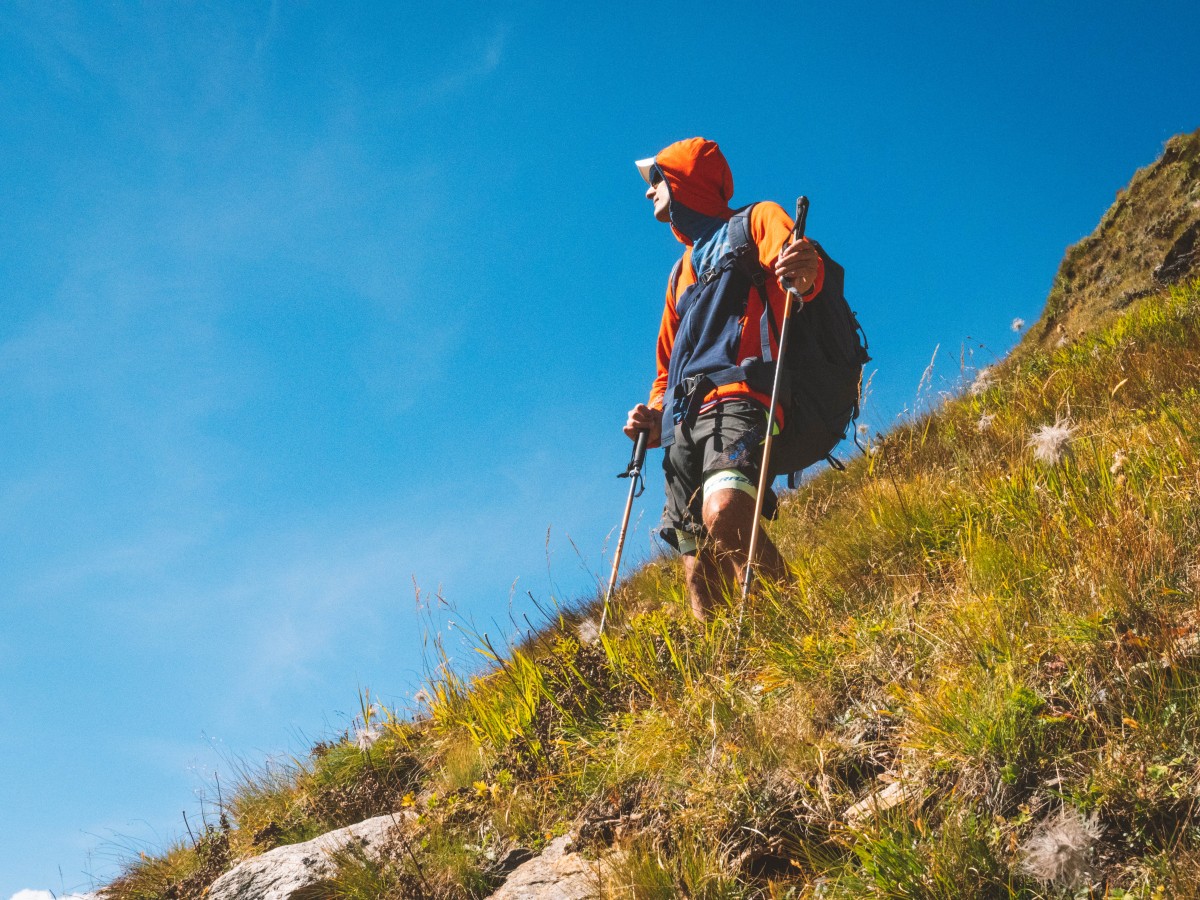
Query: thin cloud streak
[480, 67]
[266, 36]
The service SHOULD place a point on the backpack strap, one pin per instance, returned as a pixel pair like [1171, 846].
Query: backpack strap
[673, 281]
[745, 252]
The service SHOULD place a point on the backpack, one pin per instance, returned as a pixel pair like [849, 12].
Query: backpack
[822, 377]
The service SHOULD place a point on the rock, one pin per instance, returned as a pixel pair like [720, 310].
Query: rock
[1183, 259]
[880, 801]
[289, 871]
[557, 874]
[515, 857]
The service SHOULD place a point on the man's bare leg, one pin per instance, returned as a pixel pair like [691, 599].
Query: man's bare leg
[728, 517]
[705, 576]
[720, 562]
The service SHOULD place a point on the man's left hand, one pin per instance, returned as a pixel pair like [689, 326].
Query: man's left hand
[799, 262]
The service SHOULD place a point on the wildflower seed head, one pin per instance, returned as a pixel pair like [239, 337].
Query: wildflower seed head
[365, 738]
[1018, 324]
[1050, 442]
[1059, 852]
[985, 422]
[984, 379]
[588, 631]
[1118, 463]
[422, 697]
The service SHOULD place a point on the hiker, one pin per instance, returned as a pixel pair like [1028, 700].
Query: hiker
[713, 435]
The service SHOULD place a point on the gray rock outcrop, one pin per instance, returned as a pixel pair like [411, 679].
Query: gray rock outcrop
[557, 874]
[287, 872]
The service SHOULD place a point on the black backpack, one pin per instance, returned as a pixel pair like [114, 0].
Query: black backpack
[822, 378]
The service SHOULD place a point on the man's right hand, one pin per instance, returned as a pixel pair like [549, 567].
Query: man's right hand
[644, 418]
[798, 265]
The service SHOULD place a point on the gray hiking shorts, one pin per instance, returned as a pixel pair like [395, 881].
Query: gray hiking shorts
[726, 439]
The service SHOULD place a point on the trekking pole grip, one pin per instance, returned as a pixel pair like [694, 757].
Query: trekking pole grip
[634, 469]
[800, 222]
[639, 450]
[801, 218]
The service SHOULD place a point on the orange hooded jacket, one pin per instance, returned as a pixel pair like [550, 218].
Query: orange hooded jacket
[699, 179]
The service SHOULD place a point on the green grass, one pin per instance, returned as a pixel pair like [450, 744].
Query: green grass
[1008, 637]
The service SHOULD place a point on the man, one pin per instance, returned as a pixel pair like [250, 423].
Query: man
[713, 437]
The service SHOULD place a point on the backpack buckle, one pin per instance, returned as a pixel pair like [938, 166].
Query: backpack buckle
[689, 397]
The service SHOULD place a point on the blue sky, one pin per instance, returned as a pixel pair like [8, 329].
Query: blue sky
[305, 304]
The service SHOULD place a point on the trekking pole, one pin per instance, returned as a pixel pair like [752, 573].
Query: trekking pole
[636, 485]
[764, 476]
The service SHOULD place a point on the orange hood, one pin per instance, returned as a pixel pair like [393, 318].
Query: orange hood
[699, 179]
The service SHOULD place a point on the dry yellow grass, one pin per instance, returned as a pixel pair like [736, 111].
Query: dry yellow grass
[993, 634]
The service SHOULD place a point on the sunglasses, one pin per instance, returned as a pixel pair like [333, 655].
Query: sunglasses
[656, 176]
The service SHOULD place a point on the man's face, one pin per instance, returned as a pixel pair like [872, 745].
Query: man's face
[660, 195]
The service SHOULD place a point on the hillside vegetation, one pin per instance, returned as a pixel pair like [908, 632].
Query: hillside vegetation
[983, 682]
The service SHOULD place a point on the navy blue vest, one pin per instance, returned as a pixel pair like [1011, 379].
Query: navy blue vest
[709, 334]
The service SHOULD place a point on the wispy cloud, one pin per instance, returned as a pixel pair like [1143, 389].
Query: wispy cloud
[80, 46]
[480, 62]
[28, 894]
[267, 35]
[58, 41]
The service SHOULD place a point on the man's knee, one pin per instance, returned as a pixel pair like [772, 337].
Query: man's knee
[727, 514]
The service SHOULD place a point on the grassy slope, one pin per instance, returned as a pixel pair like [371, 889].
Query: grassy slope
[989, 640]
[1120, 261]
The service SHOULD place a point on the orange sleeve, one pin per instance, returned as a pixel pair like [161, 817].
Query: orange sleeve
[668, 328]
